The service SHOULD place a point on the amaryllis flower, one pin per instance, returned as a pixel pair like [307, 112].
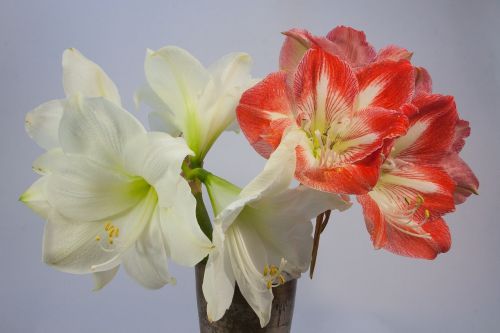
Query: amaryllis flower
[343, 118]
[403, 213]
[262, 234]
[193, 100]
[112, 195]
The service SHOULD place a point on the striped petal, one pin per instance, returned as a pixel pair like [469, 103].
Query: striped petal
[386, 84]
[265, 112]
[355, 178]
[325, 88]
[465, 180]
[436, 119]
[423, 82]
[425, 242]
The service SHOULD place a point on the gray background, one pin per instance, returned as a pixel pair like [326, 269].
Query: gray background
[356, 289]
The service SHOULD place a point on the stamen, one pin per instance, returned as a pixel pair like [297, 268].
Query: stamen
[108, 236]
[273, 274]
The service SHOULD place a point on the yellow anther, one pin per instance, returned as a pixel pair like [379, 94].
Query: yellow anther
[427, 213]
[266, 270]
[108, 226]
[269, 284]
[282, 279]
[420, 199]
[97, 238]
[274, 270]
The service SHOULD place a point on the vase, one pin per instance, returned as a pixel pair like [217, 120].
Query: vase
[240, 318]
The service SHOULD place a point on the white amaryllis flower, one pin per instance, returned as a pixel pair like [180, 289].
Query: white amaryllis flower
[187, 98]
[112, 194]
[80, 75]
[262, 234]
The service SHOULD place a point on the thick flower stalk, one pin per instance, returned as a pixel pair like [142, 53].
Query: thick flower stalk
[192, 100]
[262, 234]
[343, 117]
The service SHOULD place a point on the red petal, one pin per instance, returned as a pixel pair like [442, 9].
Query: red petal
[325, 87]
[356, 178]
[386, 84]
[393, 53]
[265, 112]
[296, 43]
[367, 131]
[352, 45]
[462, 131]
[408, 242]
[465, 180]
[423, 82]
[431, 132]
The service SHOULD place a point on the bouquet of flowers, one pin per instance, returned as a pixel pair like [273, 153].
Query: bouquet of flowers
[337, 116]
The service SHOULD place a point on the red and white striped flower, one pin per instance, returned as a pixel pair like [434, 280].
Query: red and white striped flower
[403, 213]
[344, 117]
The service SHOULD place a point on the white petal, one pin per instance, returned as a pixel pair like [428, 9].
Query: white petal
[80, 75]
[35, 198]
[84, 190]
[218, 281]
[42, 123]
[279, 170]
[151, 155]
[97, 128]
[101, 279]
[82, 247]
[178, 79]
[48, 161]
[248, 256]
[161, 118]
[146, 260]
[70, 246]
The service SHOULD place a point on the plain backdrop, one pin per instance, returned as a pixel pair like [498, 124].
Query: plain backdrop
[355, 289]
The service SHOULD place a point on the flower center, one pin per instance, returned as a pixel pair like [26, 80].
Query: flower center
[274, 275]
[106, 238]
[326, 142]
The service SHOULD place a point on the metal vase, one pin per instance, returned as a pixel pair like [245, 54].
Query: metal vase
[240, 318]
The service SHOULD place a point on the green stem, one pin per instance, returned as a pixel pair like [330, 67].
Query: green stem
[202, 215]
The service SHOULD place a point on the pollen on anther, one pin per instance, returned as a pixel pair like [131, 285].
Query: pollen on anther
[427, 213]
[97, 238]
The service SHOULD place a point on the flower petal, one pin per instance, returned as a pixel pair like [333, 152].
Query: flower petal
[82, 246]
[98, 129]
[353, 45]
[366, 133]
[401, 243]
[146, 260]
[101, 279]
[178, 79]
[219, 280]
[82, 189]
[385, 84]
[355, 178]
[393, 53]
[325, 88]
[423, 82]
[296, 43]
[265, 112]
[465, 180]
[436, 118]
[80, 75]
[161, 117]
[42, 123]
[36, 199]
